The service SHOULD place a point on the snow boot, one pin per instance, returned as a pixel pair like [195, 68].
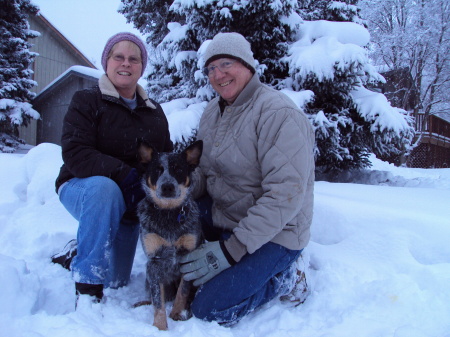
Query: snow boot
[64, 258]
[93, 290]
[300, 290]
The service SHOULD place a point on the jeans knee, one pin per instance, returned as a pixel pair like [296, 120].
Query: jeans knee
[101, 184]
[101, 195]
[201, 311]
[104, 190]
[207, 308]
[210, 313]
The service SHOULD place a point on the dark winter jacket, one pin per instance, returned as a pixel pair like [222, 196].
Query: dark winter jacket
[101, 133]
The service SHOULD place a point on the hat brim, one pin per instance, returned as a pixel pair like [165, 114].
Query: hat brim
[221, 56]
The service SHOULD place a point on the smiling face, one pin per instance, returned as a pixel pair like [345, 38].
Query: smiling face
[229, 83]
[124, 67]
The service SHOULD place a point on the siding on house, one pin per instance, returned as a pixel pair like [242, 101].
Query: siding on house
[53, 102]
[56, 55]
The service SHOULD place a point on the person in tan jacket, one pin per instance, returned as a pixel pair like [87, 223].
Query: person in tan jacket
[255, 187]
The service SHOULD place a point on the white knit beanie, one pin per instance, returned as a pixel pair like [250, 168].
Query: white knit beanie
[232, 45]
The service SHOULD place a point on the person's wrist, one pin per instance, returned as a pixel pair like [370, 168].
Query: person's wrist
[131, 178]
[227, 254]
[235, 248]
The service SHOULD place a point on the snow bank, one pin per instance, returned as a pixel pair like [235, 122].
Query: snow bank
[378, 262]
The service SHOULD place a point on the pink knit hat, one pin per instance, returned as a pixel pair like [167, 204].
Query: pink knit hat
[124, 37]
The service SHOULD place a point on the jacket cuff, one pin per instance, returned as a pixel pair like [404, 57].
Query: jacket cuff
[123, 174]
[235, 248]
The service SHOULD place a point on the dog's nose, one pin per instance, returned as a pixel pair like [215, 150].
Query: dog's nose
[168, 190]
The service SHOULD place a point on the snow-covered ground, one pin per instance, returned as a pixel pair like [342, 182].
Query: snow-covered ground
[378, 262]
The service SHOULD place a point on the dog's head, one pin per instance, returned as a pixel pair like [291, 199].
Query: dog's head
[167, 175]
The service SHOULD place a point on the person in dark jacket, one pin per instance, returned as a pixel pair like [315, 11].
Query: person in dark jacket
[98, 182]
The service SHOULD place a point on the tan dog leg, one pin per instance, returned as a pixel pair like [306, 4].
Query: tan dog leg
[180, 310]
[141, 303]
[160, 318]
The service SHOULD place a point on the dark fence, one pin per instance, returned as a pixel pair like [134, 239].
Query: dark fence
[433, 150]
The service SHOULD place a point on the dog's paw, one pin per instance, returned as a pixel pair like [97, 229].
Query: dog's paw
[160, 319]
[161, 325]
[184, 315]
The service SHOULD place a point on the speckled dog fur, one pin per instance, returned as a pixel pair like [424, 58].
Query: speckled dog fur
[169, 226]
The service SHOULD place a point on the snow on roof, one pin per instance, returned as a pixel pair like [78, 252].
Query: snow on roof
[443, 115]
[84, 71]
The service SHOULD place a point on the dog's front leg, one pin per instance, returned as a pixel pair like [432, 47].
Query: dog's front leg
[160, 318]
[180, 310]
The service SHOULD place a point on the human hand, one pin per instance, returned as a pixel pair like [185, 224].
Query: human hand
[132, 190]
[203, 263]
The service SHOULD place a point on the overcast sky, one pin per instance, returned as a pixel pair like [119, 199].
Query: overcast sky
[87, 24]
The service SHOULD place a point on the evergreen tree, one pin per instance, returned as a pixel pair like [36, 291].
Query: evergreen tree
[345, 136]
[15, 72]
[338, 11]
[186, 24]
[176, 33]
[150, 17]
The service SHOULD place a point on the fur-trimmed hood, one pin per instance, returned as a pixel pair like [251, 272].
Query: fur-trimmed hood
[107, 88]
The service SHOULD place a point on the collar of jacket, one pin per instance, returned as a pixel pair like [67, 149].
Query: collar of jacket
[107, 88]
[248, 91]
[245, 95]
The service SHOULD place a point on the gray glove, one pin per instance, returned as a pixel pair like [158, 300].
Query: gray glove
[203, 263]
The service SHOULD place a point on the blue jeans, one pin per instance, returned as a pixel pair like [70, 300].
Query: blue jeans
[106, 242]
[245, 286]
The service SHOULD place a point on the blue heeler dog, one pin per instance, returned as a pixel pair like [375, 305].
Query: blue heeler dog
[169, 227]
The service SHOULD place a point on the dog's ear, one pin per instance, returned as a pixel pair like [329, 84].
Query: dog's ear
[194, 152]
[145, 152]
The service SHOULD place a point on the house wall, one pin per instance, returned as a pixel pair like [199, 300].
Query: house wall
[54, 58]
[54, 107]
[56, 55]
[399, 89]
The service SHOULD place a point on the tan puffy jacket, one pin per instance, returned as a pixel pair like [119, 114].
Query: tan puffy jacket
[258, 167]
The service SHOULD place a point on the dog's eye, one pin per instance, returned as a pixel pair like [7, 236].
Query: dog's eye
[178, 169]
[160, 170]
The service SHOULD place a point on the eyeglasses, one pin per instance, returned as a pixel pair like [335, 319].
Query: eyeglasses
[223, 67]
[121, 58]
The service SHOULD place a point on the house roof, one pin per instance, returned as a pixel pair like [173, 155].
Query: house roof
[443, 115]
[64, 40]
[74, 71]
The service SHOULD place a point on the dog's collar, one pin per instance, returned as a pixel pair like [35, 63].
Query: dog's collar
[182, 216]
